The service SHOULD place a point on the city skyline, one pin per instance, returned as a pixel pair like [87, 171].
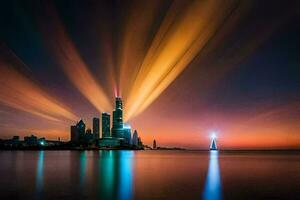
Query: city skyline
[236, 73]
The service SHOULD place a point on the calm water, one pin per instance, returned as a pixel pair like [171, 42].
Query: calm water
[149, 175]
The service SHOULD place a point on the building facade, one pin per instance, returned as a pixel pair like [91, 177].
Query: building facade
[74, 134]
[135, 138]
[105, 125]
[127, 134]
[81, 129]
[117, 126]
[96, 127]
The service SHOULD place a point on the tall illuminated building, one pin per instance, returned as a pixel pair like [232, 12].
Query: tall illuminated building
[127, 134]
[117, 126]
[105, 125]
[96, 127]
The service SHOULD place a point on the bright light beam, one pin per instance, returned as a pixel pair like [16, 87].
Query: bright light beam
[71, 62]
[19, 92]
[177, 42]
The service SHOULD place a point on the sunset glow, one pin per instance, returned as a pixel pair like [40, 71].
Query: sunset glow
[187, 71]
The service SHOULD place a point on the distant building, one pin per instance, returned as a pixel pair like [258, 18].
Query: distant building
[140, 143]
[96, 127]
[127, 134]
[154, 144]
[116, 137]
[31, 140]
[42, 141]
[81, 129]
[135, 138]
[105, 125]
[15, 141]
[88, 137]
[74, 134]
[110, 142]
[117, 126]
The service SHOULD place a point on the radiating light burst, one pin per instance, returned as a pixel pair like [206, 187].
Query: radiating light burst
[21, 93]
[72, 64]
[180, 37]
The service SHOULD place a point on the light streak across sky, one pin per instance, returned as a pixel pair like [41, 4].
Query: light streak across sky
[70, 60]
[21, 93]
[178, 40]
[182, 68]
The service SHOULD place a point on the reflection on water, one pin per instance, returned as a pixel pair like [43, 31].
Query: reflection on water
[40, 175]
[212, 188]
[130, 175]
[115, 175]
[125, 180]
[107, 176]
[83, 168]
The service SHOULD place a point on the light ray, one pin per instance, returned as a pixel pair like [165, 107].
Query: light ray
[21, 93]
[177, 42]
[74, 67]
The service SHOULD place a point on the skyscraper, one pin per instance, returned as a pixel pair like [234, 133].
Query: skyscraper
[117, 127]
[105, 125]
[135, 138]
[96, 127]
[81, 129]
[74, 134]
[127, 134]
[154, 144]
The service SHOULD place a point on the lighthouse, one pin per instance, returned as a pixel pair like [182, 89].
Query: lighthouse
[213, 144]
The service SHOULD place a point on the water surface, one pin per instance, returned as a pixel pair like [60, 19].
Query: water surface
[149, 175]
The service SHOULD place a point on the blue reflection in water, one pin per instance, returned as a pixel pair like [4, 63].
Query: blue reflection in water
[107, 175]
[115, 180]
[212, 188]
[125, 187]
[83, 168]
[40, 175]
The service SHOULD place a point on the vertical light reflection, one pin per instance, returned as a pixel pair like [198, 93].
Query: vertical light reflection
[115, 180]
[125, 182]
[107, 175]
[83, 168]
[40, 175]
[212, 188]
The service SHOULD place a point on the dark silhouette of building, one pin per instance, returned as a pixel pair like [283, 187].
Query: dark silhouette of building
[119, 136]
[81, 129]
[105, 125]
[31, 140]
[117, 126]
[154, 144]
[15, 141]
[42, 141]
[140, 143]
[74, 134]
[88, 137]
[135, 138]
[96, 127]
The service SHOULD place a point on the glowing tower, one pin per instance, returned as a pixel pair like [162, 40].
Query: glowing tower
[213, 145]
[117, 126]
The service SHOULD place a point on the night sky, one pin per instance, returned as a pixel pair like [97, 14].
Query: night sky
[184, 69]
